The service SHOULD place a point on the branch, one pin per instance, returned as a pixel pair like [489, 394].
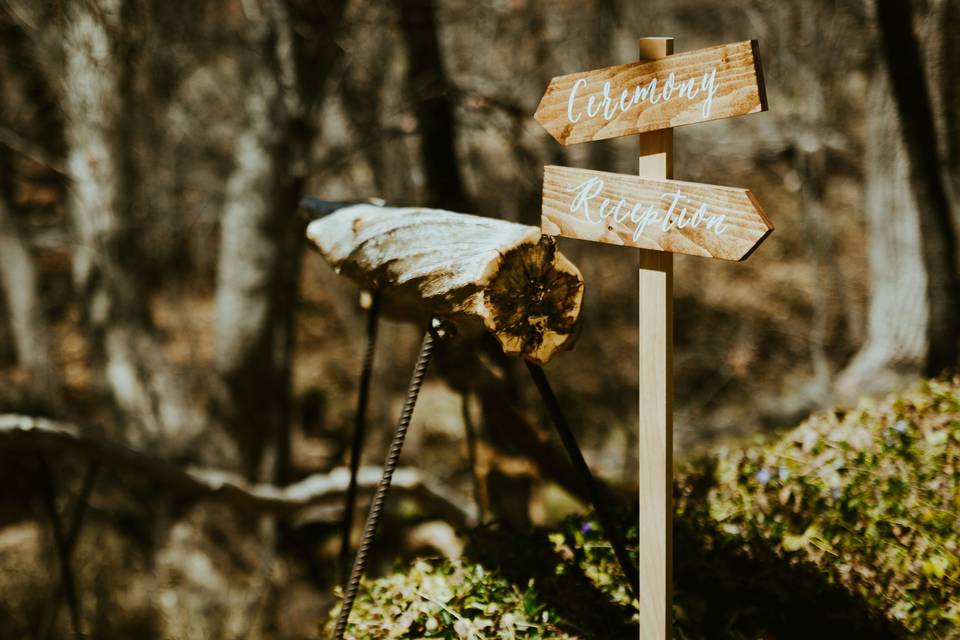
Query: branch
[322, 489]
[32, 152]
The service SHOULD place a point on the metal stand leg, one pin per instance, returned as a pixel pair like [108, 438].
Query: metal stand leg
[613, 531]
[393, 457]
[359, 432]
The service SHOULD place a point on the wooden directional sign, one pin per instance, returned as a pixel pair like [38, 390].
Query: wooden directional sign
[660, 217]
[666, 215]
[701, 85]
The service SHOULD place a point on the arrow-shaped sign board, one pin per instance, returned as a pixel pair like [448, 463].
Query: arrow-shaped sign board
[666, 215]
[706, 84]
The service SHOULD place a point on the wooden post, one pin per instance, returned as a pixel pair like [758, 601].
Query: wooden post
[656, 396]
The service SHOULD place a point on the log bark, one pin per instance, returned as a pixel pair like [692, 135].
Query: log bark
[481, 273]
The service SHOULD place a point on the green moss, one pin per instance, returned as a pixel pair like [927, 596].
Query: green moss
[449, 599]
[847, 526]
[871, 497]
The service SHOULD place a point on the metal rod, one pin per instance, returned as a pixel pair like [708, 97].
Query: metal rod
[472, 453]
[359, 433]
[393, 457]
[613, 532]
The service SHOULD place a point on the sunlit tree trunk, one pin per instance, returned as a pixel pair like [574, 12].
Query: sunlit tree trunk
[914, 316]
[904, 62]
[896, 343]
[292, 51]
[98, 97]
[20, 283]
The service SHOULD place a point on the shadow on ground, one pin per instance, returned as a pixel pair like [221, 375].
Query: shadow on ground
[723, 589]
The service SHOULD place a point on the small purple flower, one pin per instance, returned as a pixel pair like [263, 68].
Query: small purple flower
[835, 492]
[763, 476]
[586, 527]
[901, 426]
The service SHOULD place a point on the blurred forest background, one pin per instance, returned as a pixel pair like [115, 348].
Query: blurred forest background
[157, 293]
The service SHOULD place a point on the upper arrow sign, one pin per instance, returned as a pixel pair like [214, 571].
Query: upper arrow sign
[666, 215]
[707, 84]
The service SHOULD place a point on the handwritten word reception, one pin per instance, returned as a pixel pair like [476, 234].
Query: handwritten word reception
[666, 215]
[701, 85]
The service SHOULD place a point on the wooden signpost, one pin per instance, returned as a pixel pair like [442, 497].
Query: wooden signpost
[659, 216]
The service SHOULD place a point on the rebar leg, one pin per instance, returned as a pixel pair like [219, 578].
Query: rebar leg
[393, 457]
[359, 433]
[613, 531]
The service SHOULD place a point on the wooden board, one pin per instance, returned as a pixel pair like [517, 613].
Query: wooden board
[706, 84]
[665, 215]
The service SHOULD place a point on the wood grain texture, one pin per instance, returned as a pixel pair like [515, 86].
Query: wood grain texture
[736, 89]
[717, 222]
[655, 429]
[481, 273]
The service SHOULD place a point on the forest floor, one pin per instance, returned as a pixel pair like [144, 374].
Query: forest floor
[846, 526]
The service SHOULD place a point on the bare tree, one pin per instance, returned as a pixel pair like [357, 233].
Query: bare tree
[26, 92]
[433, 105]
[98, 100]
[20, 284]
[908, 81]
[896, 344]
[292, 50]
[943, 57]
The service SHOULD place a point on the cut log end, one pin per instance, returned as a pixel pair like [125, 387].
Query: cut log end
[481, 273]
[534, 302]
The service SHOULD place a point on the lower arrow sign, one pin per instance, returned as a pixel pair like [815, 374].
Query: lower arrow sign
[665, 215]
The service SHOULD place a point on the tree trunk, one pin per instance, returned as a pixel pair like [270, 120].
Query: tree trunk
[944, 60]
[908, 82]
[262, 236]
[98, 100]
[20, 283]
[30, 107]
[896, 342]
[433, 105]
